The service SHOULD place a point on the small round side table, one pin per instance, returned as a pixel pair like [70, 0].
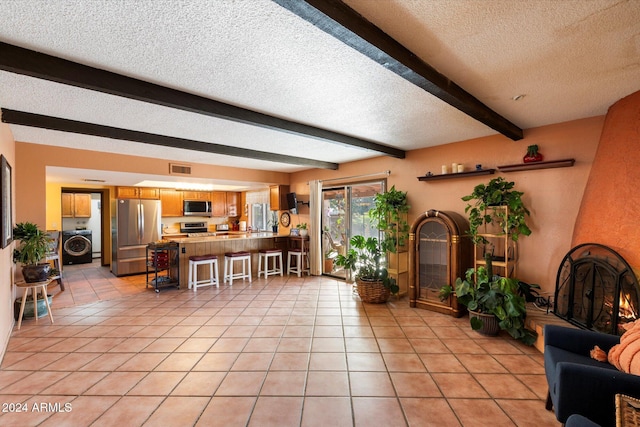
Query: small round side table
[35, 286]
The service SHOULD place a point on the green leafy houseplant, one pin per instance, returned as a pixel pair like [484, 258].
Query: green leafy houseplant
[273, 221]
[497, 192]
[364, 258]
[495, 295]
[367, 257]
[389, 214]
[302, 227]
[32, 248]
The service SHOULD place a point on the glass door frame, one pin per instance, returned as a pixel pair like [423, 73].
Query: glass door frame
[341, 231]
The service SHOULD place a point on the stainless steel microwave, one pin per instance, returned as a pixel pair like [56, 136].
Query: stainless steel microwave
[197, 208]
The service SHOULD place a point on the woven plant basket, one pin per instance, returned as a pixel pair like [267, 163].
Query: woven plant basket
[372, 292]
[627, 411]
[490, 323]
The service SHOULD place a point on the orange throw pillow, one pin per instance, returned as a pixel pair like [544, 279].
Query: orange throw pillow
[626, 355]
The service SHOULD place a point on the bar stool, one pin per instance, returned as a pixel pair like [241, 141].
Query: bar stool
[35, 287]
[299, 256]
[229, 258]
[266, 254]
[194, 262]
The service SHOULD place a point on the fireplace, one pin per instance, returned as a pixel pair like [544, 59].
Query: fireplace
[596, 289]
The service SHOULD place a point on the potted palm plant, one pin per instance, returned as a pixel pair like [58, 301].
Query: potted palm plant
[32, 248]
[494, 303]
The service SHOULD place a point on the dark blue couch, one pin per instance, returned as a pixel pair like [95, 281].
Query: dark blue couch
[579, 384]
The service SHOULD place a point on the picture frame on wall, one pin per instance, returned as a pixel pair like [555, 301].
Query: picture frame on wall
[6, 224]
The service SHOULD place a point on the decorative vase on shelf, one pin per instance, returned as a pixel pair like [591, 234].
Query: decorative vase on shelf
[532, 155]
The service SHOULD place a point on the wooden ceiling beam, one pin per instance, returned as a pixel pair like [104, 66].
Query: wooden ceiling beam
[73, 126]
[339, 20]
[35, 64]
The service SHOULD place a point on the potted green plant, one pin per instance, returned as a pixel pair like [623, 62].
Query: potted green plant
[532, 155]
[302, 227]
[273, 221]
[390, 216]
[367, 257]
[364, 259]
[481, 204]
[32, 248]
[494, 302]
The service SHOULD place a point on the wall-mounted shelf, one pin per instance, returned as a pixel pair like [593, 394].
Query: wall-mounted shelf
[565, 163]
[457, 175]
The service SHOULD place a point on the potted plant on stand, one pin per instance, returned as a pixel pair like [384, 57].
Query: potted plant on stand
[497, 205]
[33, 245]
[32, 248]
[302, 229]
[494, 303]
[390, 216]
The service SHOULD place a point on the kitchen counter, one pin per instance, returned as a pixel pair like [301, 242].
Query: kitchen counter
[169, 236]
[223, 242]
[223, 235]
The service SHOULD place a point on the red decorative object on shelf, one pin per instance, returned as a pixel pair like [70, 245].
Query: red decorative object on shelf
[532, 155]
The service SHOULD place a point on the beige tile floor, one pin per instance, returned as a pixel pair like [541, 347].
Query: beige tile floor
[284, 352]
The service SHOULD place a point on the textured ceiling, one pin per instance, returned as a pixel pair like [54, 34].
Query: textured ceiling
[572, 59]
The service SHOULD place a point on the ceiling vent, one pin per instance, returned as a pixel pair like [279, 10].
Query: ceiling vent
[175, 169]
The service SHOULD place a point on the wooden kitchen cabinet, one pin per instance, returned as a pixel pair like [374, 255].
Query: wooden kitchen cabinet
[171, 201]
[149, 193]
[196, 195]
[67, 205]
[76, 205]
[218, 203]
[278, 197]
[233, 203]
[137, 193]
[127, 193]
[82, 205]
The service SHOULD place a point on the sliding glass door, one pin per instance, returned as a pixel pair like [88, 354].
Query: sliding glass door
[345, 213]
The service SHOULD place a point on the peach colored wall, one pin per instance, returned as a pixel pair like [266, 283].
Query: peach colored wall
[609, 211]
[7, 267]
[552, 195]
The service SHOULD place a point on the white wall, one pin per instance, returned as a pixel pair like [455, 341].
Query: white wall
[94, 224]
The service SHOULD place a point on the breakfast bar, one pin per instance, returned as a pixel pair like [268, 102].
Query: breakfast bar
[221, 243]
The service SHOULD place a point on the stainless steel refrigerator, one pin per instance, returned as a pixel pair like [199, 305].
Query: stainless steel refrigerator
[137, 224]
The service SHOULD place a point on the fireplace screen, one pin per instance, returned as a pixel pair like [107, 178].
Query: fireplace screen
[596, 289]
